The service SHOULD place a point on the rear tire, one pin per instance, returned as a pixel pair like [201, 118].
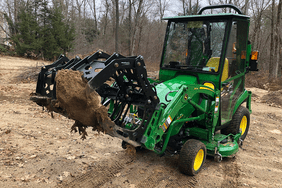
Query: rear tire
[240, 120]
[192, 157]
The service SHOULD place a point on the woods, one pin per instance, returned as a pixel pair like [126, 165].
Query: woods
[37, 30]
[44, 29]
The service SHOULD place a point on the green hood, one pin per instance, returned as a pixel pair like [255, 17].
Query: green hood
[173, 85]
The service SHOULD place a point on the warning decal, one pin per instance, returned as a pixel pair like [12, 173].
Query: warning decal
[166, 123]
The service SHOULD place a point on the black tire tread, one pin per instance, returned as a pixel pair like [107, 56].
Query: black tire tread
[234, 126]
[187, 156]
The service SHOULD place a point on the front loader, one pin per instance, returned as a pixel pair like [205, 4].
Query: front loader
[199, 105]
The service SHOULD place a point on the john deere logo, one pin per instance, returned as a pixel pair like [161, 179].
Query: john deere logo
[185, 97]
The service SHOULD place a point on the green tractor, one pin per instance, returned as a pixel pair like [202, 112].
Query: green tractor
[199, 105]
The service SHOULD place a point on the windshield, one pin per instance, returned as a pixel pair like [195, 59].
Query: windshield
[194, 45]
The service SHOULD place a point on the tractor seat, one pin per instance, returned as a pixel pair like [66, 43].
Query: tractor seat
[214, 62]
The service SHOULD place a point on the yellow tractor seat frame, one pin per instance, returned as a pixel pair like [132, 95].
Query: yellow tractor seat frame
[214, 62]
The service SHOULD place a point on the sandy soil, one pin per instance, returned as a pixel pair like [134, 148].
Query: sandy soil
[38, 150]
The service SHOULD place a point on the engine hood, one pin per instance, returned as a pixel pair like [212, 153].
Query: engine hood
[173, 85]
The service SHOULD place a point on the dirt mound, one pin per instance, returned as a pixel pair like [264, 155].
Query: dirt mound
[28, 75]
[260, 80]
[273, 98]
[79, 101]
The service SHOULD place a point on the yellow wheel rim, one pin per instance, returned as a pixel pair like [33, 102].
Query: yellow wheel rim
[199, 159]
[243, 125]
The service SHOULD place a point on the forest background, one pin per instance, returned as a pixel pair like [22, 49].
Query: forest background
[46, 28]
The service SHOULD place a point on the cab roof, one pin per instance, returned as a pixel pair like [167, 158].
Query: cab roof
[219, 16]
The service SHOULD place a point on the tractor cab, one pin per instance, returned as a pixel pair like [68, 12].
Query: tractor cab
[214, 49]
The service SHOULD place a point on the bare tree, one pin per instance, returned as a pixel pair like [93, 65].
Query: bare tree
[246, 9]
[106, 15]
[92, 6]
[277, 37]
[162, 6]
[129, 26]
[136, 24]
[190, 6]
[78, 7]
[117, 26]
[272, 73]
[241, 4]
[258, 9]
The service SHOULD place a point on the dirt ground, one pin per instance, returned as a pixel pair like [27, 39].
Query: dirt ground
[38, 150]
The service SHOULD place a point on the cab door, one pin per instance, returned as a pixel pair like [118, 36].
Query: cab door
[233, 80]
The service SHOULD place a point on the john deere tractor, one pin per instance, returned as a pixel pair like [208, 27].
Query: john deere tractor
[199, 105]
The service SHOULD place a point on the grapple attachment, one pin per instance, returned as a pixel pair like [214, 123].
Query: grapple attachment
[120, 81]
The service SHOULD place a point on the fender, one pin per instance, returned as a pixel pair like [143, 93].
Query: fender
[246, 96]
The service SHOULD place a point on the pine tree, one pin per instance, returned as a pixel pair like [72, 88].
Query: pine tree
[50, 49]
[41, 30]
[64, 34]
[90, 31]
[26, 36]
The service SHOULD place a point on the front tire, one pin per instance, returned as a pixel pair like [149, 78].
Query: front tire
[240, 121]
[192, 157]
[124, 145]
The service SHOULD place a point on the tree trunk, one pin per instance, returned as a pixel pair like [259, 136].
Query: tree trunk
[246, 7]
[117, 26]
[137, 16]
[190, 7]
[183, 6]
[92, 6]
[78, 6]
[258, 36]
[106, 17]
[277, 39]
[129, 27]
[160, 9]
[95, 15]
[84, 12]
[271, 59]
[139, 37]
[15, 10]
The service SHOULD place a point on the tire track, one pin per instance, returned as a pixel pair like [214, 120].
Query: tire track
[98, 175]
[144, 170]
[166, 180]
[231, 174]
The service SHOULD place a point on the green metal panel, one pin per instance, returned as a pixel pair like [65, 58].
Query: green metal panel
[168, 134]
[243, 97]
[173, 84]
[248, 54]
[198, 132]
[228, 148]
[166, 74]
[225, 150]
